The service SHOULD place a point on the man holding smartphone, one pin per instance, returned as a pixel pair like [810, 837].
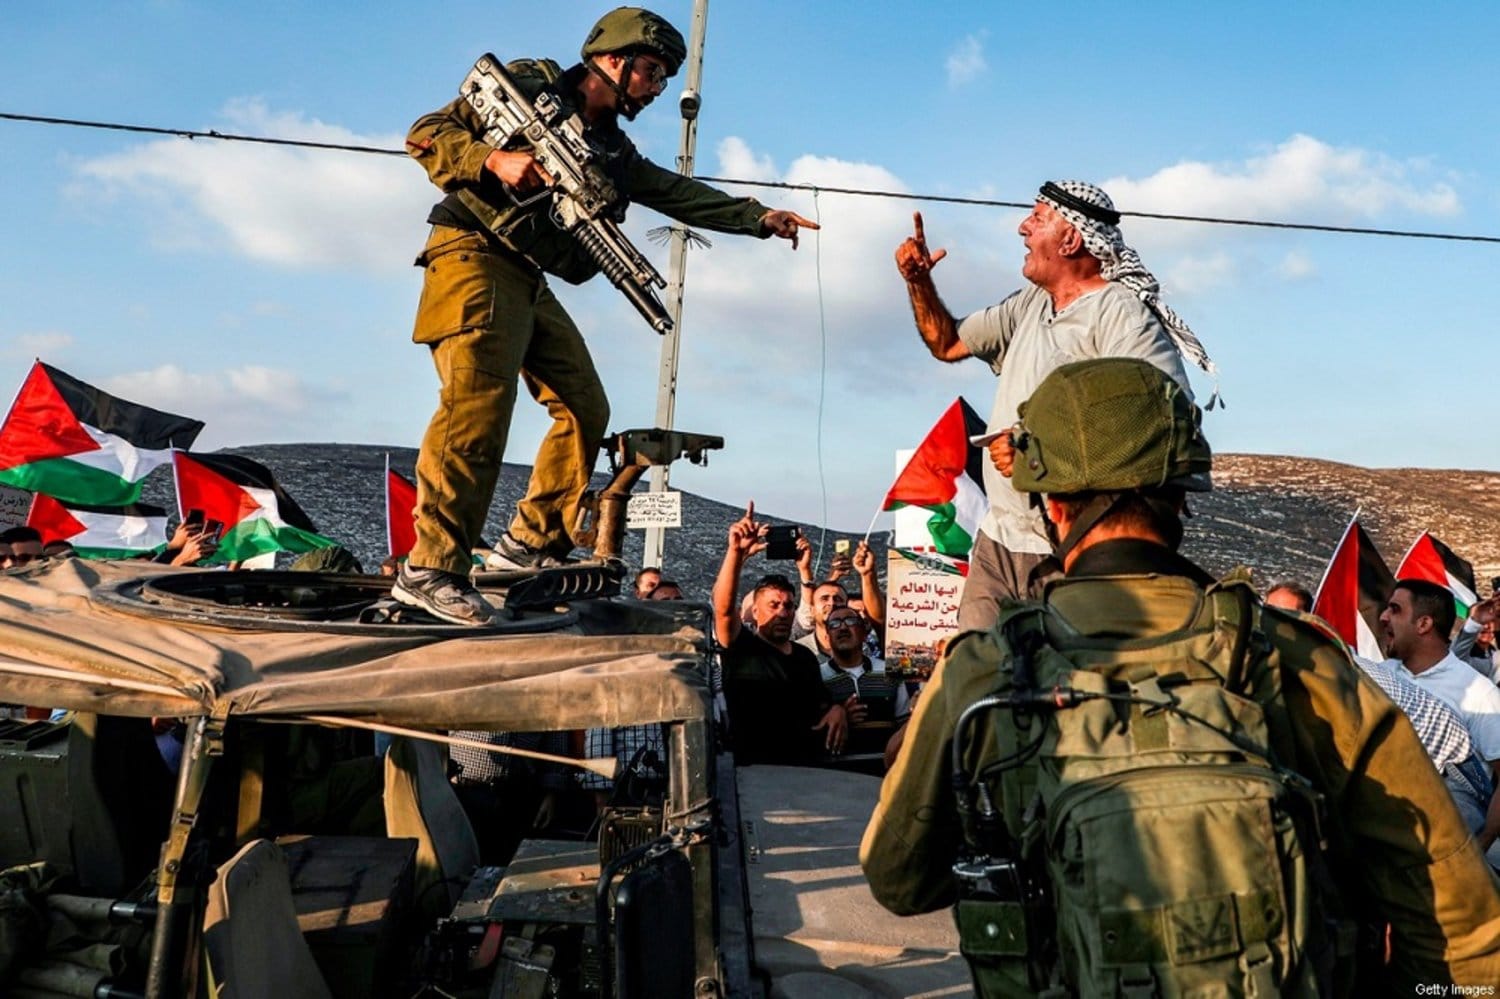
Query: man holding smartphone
[192, 542]
[820, 598]
[779, 711]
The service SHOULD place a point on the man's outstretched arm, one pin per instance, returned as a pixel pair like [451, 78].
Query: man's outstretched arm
[935, 324]
[744, 540]
[869, 584]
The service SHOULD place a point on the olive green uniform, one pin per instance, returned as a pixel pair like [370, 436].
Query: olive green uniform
[1398, 846]
[488, 315]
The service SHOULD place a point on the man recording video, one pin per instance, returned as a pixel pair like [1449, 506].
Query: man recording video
[488, 315]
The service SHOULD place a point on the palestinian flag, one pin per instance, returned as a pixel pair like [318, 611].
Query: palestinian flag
[946, 476]
[400, 503]
[1430, 559]
[257, 514]
[71, 441]
[1355, 588]
[100, 531]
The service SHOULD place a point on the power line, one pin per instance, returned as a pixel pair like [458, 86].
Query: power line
[1212, 220]
[184, 133]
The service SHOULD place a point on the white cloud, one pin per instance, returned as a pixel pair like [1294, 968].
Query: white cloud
[771, 295]
[737, 159]
[43, 344]
[281, 205]
[1297, 266]
[966, 62]
[251, 404]
[1302, 179]
[1194, 275]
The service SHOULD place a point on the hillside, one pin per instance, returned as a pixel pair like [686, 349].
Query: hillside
[1287, 513]
[1279, 515]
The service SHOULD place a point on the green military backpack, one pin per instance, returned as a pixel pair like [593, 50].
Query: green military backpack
[1159, 848]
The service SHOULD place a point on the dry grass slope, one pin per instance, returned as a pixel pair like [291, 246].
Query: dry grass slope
[1280, 516]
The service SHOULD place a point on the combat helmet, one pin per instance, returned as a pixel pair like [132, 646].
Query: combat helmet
[1109, 424]
[1109, 427]
[335, 558]
[629, 29]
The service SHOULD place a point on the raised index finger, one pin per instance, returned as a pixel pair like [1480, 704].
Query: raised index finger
[918, 234]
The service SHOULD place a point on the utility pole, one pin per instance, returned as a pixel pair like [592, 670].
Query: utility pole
[666, 388]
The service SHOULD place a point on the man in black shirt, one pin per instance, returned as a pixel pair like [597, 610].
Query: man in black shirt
[779, 710]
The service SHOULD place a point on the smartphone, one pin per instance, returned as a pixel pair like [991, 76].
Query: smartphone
[193, 519]
[213, 529]
[841, 546]
[781, 542]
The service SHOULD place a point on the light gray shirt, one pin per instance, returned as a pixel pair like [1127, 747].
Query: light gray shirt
[1023, 341]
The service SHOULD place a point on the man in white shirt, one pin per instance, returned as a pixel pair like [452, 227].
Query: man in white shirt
[1088, 295]
[1418, 618]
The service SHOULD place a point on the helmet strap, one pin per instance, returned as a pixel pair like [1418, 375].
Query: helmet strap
[1168, 520]
[1097, 509]
[625, 105]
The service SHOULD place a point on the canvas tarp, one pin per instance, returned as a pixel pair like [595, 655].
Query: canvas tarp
[60, 646]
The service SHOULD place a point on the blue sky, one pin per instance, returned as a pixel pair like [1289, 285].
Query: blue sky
[270, 292]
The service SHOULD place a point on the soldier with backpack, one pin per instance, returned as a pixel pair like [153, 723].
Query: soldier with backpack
[1149, 784]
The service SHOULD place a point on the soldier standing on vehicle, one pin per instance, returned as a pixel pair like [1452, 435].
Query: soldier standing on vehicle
[1140, 807]
[488, 315]
[1089, 296]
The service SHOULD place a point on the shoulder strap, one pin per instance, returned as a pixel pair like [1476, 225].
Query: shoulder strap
[1232, 603]
[1022, 628]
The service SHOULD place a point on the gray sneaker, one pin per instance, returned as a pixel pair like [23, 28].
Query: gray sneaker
[444, 595]
[510, 555]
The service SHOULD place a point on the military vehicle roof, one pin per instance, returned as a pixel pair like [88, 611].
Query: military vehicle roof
[66, 641]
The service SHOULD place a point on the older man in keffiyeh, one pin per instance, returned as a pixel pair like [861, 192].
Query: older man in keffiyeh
[1089, 296]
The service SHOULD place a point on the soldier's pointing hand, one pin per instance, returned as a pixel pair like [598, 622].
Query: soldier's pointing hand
[786, 224]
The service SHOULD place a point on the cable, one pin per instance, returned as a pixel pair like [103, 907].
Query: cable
[822, 375]
[781, 185]
[1164, 216]
[184, 133]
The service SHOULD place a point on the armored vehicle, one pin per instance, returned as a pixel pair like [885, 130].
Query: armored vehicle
[229, 877]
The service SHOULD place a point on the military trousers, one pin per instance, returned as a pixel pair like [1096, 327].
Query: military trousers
[489, 318]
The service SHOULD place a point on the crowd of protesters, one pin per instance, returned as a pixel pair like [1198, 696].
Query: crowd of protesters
[798, 678]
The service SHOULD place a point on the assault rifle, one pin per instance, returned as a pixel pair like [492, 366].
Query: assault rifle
[585, 203]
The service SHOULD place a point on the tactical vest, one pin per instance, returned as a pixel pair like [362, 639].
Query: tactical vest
[1134, 834]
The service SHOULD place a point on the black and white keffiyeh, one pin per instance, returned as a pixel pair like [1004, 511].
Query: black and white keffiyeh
[1093, 214]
